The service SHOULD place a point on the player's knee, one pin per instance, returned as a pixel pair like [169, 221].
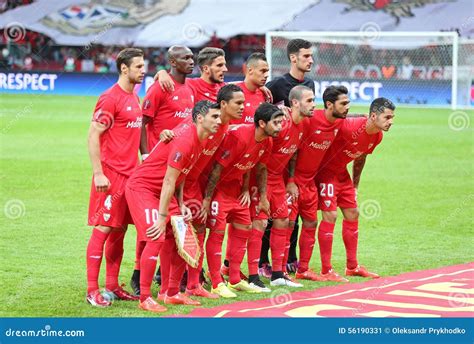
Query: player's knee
[104, 229]
[330, 216]
[309, 223]
[260, 224]
[351, 214]
[281, 223]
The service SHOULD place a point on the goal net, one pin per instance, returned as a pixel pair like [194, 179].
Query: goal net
[415, 69]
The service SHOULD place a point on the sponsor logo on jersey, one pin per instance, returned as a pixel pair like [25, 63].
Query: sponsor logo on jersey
[183, 114]
[129, 108]
[136, 123]
[323, 146]
[175, 98]
[352, 155]
[210, 151]
[288, 150]
[247, 166]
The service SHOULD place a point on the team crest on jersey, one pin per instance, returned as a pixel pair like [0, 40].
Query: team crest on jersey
[260, 153]
[146, 104]
[327, 203]
[318, 132]
[335, 131]
[177, 157]
[246, 155]
[301, 134]
[106, 217]
[370, 145]
[396, 8]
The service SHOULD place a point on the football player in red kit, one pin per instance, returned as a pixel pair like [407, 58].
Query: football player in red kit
[150, 193]
[357, 138]
[284, 149]
[317, 138]
[164, 110]
[114, 138]
[244, 147]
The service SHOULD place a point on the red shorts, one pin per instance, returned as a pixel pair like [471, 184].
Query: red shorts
[277, 196]
[306, 204]
[109, 208]
[144, 209]
[193, 199]
[225, 208]
[335, 190]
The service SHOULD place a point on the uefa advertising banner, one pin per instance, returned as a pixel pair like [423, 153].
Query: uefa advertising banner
[410, 92]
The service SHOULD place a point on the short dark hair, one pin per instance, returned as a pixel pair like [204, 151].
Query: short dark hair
[379, 105]
[126, 56]
[331, 93]
[297, 92]
[253, 58]
[295, 45]
[226, 92]
[266, 112]
[207, 55]
[202, 108]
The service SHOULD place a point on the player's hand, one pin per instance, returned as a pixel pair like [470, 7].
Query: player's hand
[263, 205]
[292, 190]
[267, 93]
[286, 112]
[166, 135]
[164, 80]
[244, 199]
[186, 212]
[204, 212]
[101, 182]
[158, 228]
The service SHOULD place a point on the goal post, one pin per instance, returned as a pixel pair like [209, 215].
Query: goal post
[411, 68]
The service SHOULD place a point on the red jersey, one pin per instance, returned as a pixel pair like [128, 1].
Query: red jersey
[211, 145]
[120, 112]
[166, 110]
[203, 90]
[181, 153]
[351, 143]
[239, 153]
[285, 145]
[252, 101]
[318, 136]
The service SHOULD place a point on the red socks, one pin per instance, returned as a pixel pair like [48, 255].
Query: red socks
[165, 261]
[193, 273]
[148, 265]
[95, 250]
[287, 248]
[254, 246]
[307, 240]
[230, 228]
[138, 252]
[350, 236]
[214, 255]
[325, 237]
[238, 238]
[277, 245]
[113, 258]
[177, 267]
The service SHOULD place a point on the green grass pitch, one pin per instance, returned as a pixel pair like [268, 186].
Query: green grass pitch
[420, 180]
